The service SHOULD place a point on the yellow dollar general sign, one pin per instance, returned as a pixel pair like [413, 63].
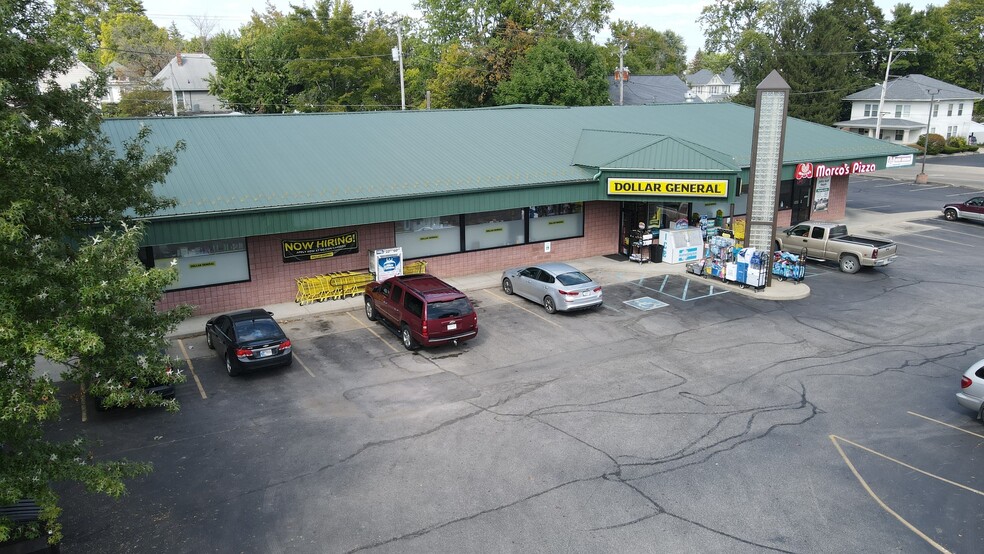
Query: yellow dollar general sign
[668, 187]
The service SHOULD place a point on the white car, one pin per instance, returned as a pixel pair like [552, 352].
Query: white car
[971, 395]
[557, 286]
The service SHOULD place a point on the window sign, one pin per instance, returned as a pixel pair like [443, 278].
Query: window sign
[493, 229]
[429, 236]
[556, 221]
[821, 195]
[204, 263]
[302, 250]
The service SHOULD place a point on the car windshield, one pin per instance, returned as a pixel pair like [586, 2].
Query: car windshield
[573, 278]
[450, 308]
[257, 329]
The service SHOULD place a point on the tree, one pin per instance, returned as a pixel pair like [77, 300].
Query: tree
[647, 51]
[557, 72]
[715, 62]
[71, 288]
[141, 102]
[134, 41]
[79, 23]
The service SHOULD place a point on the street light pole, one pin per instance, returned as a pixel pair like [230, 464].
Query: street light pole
[881, 101]
[922, 178]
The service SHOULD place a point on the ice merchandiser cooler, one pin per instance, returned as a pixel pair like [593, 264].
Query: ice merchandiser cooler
[386, 263]
[681, 245]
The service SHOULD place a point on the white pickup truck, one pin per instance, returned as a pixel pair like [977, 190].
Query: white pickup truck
[817, 240]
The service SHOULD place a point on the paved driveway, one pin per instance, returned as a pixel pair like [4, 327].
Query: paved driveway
[695, 421]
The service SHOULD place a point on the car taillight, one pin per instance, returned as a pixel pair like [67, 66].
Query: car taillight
[284, 344]
[597, 289]
[569, 292]
[965, 382]
[423, 329]
[243, 352]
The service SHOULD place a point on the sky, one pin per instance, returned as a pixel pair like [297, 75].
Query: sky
[680, 16]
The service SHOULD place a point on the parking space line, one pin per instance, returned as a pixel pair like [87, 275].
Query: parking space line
[505, 299]
[945, 240]
[857, 475]
[951, 231]
[932, 188]
[946, 424]
[895, 184]
[373, 331]
[191, 368]
[920, 247]
[298, 360]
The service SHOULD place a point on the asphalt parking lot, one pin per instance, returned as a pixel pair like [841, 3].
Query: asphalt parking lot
[679, 417]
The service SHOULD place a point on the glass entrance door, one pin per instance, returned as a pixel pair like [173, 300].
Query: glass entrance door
[801, 201]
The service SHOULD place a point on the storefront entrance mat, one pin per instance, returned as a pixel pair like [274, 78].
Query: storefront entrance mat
[685, 288]
[645, 303]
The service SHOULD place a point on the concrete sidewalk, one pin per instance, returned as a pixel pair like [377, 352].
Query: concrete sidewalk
[602, 269]
[608, 271]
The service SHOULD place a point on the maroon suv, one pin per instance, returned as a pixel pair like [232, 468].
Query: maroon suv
[423, 309]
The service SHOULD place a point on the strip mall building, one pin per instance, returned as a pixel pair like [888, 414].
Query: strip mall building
[265, 200]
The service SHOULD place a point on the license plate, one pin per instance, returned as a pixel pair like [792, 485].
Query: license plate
[452, 326]
[587, 293]
[265, 353]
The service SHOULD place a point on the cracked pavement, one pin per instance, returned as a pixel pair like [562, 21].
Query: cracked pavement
[701, 426]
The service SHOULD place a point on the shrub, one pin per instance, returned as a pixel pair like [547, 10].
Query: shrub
[951, 150]
[936, 143]
[956, 142]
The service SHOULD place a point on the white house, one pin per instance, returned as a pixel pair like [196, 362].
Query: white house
[118, 83]
[713, 87]
[186, 76]
[906, 110]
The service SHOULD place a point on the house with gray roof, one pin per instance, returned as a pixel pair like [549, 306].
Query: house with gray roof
[640, 90]
[905, 113]
[186, 77]
[714, 87]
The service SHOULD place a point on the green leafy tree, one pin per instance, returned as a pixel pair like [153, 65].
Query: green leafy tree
[71, 288]
[715, 62]
[647, 51]
[79, 23]
[557, 72]
[135, 42]
[141, 102]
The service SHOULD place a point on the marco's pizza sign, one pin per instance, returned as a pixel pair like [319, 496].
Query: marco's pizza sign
[809, 171]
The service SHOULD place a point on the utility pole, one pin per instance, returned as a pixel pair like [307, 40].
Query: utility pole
[881, 102]
[398, 56]
[621, 71]
[922, 178]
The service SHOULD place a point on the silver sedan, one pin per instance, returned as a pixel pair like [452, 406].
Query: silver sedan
[557, 286]
[971, 395]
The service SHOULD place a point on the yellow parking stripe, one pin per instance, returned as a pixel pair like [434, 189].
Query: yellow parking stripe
[857, 475]
[373, 331]
[505, 298]
[946, 424]
[298, 360]
[191, 368]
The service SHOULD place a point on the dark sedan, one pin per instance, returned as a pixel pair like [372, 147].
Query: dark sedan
[247, 340]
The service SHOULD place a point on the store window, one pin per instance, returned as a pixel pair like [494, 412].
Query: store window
[205, 263]
[556, 221]
[785, 195]
[494, 229]
[429, 236]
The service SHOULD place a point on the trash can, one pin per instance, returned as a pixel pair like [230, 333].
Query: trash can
[656, 253]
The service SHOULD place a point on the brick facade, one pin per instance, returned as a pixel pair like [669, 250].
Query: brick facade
[274, 282]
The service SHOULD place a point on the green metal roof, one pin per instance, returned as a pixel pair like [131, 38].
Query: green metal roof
[367, 167]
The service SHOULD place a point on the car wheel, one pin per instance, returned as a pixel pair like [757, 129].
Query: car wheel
[231, 369]
[507, 286]
[950, 215]
[407, 338]
[548, 304]
[208, 340]
[850, 264]
[370, 310]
